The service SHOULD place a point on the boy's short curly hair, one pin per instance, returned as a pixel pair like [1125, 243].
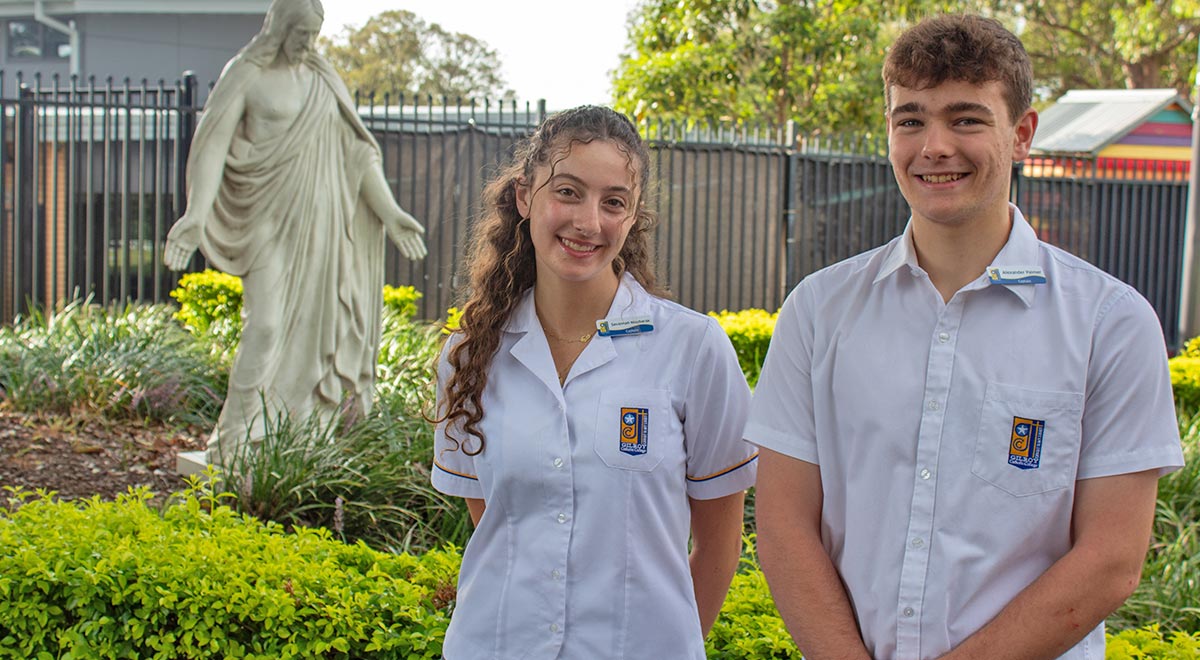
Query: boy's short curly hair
[965, 48]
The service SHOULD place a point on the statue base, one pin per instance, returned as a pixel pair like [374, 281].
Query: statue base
[190, 462]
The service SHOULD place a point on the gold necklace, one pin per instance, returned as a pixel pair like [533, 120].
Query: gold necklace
[583, 339]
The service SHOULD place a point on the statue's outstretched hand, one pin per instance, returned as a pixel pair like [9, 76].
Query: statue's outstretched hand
[406, 233]
[181, 242]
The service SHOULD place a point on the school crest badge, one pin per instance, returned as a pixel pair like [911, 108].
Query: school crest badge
[1025, 448]
[634, 425]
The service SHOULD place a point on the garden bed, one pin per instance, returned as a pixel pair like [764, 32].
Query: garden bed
[79, 456]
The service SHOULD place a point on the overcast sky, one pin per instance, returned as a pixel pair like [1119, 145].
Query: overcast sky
[558, 50]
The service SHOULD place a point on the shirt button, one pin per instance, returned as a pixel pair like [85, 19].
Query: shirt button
[926, 474]
[562, 517]
[943, 337]
[555, 574]
[933, 405]
[916, 543]
[908, 611]
[558, 462]
[554, 627]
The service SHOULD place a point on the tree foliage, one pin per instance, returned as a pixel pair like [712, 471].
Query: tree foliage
[398, 52]
[1102, 44]
[813, 61]
[818, 62]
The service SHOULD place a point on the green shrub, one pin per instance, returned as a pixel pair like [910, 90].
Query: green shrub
[134, 361]
[120, 580]
[453, 317]
[1185, 381]
[401, 300]
[749, 625]
[210, 301]
[750, 331]
[197, 580]
[1191, 348]
[406, 371]
[1150, 643]
[1169, 593]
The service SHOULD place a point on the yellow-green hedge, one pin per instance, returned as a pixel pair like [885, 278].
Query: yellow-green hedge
[196, 580]
[1185, 381]
[750, 331]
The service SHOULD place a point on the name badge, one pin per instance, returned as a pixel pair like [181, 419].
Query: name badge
[1017, 275]
[622, 327]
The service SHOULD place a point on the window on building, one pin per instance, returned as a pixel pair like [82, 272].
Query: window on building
[30, 40]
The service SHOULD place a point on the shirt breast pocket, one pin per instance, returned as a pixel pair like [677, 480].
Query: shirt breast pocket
[631, 428]
[1028, 439]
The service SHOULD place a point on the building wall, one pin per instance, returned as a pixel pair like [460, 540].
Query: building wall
[163, 46]
[137, 46]
[1165, 136]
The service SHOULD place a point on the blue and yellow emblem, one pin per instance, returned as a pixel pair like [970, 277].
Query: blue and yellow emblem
[1025, 450]
[634, 424]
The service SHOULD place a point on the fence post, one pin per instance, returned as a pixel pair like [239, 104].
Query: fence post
[1015, 182]
[791, 156]
[1189, 293]
[186, 129]
[25, 228]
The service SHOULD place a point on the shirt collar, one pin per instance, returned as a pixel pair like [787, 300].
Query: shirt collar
[630, 300]
[1021, 250]
[901, 252]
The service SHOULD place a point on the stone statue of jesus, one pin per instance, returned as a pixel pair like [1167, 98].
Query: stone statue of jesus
[285, 189]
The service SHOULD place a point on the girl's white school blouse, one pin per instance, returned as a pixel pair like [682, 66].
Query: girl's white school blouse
[582, 549]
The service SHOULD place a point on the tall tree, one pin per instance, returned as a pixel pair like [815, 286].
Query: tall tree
[815, 61]
[818, 61]
[1108, 43]
[398, 52]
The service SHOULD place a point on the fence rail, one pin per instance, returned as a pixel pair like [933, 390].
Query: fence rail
[92, 177]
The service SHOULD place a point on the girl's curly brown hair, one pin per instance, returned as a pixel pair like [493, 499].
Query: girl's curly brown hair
[500, 264]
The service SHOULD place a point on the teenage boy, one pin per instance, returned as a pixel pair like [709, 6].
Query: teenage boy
[962, 430]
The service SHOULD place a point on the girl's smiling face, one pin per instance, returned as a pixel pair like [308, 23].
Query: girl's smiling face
[580, 209]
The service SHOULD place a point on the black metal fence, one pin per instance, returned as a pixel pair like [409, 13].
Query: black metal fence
[91, 179]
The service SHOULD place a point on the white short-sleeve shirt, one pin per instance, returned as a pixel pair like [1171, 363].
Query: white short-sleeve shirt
[950, 435]
[582, 549]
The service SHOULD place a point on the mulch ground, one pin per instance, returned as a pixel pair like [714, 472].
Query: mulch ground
[79, 456]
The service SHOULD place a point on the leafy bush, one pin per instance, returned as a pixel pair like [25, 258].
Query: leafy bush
[197, 580]
[401, 300]
[453, 316]
[1191, 348]
[1150, 643]
[126, 362]
[406, 371]
[749, 625]
[750, 331]
[119, 580]
[1169, 593]
[1185, 381]
[210, 302]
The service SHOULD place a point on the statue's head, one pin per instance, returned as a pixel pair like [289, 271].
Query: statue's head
[291, 27]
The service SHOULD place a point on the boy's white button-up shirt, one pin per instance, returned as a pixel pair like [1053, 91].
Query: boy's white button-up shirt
[582, 549]
[950, 435]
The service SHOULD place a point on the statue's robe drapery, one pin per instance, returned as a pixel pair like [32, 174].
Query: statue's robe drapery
[290, 222]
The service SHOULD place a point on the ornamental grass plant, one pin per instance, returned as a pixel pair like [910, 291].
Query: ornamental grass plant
[121, 362]
[365, 480]
[1169, 593]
